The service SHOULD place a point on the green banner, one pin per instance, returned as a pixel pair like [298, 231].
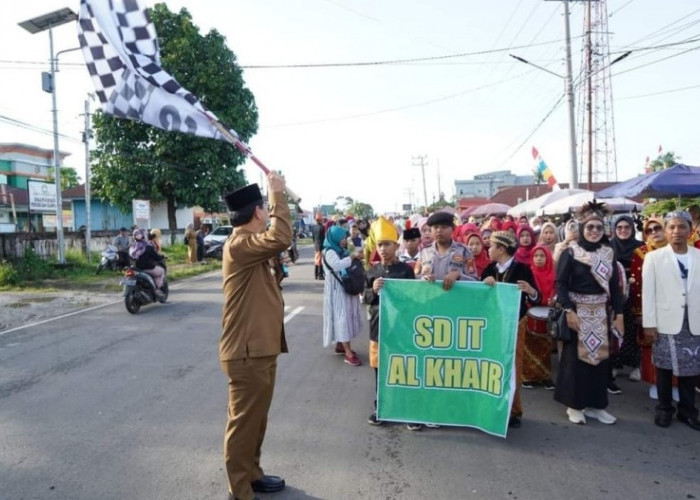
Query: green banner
[447, 358]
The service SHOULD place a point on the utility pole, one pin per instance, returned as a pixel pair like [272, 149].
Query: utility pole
[589, 94]
[420, 161]
[87, 134]
[438, 181]
[570, 98]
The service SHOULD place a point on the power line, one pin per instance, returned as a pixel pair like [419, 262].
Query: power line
[396, 61]
[34, 128]
[669, 91]
[400, 108]
[529, 136]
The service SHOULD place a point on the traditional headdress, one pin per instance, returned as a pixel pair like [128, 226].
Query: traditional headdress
[592, 210]
[384, 230]
[679, 215]
[503, 238]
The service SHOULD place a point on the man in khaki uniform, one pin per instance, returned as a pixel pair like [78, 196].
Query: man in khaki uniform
[253, 330]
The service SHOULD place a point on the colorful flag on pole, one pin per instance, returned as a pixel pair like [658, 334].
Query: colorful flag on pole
[120, 47]
[543, 169]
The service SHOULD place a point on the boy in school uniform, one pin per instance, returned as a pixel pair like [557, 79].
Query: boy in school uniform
[386, 237]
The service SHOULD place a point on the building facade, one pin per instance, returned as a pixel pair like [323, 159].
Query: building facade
[486, 185]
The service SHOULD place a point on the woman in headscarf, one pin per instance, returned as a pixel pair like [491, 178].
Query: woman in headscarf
[510, 226]
[587, 283]
[654, 238]
[191, 242]
[342, 315]
[480, 252]
[624, 244]
[537, 355]
[526, 242]
[426, 234]
[548, 236]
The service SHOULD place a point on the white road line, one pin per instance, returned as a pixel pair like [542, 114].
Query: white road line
[293, 313]
[80, 311]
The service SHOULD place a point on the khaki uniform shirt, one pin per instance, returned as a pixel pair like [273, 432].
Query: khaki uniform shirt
[457, 257]
[253, 313]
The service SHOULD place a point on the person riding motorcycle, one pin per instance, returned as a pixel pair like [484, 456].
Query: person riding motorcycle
[148, 259]
[122, 242]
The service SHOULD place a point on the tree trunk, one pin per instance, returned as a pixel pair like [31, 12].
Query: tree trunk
[172, 220]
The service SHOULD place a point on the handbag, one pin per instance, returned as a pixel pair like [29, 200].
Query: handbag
[556, 324]
[353, 281]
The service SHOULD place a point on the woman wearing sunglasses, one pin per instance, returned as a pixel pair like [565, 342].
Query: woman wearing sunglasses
[587, 284]
[654, 238]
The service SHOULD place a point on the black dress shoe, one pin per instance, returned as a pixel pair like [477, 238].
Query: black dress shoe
[692, 422]
[663, 419]
[514, 422]
[268, 484]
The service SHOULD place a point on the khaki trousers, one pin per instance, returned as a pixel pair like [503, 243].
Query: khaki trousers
[250, 387]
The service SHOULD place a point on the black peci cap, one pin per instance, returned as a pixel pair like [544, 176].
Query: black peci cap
[241, 198]
[411, 234]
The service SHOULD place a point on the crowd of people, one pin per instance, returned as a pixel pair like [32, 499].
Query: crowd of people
[630, 303]
[625, 285]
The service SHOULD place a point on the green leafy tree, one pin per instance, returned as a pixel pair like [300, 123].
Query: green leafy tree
[69, 177]
[361, 210]
[343, 204]
[663, 161]
[137, 161]
[662, 207]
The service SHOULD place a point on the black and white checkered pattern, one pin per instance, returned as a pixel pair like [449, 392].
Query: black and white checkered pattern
[121, 50]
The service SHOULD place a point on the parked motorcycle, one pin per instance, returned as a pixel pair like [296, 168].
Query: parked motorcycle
[214, 250]
[109, 259]
[140, 289]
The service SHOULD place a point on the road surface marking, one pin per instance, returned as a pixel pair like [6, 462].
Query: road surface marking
[293, 313]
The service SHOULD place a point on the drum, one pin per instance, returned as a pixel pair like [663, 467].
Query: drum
[537, 320]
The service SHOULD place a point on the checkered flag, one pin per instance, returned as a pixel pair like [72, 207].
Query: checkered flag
[121, 50]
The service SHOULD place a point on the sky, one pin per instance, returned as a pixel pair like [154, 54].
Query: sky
[440, 84]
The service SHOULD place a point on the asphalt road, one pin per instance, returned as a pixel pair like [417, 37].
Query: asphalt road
[113, 406]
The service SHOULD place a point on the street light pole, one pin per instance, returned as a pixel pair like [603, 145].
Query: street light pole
[35, 25]
[56, 158]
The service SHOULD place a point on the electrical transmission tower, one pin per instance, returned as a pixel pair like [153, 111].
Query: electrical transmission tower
[596, 124]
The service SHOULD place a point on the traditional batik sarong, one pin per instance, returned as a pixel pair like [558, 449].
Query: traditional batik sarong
[593, 343]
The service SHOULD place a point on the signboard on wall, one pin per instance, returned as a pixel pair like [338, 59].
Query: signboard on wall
[142, 212]
[42, 196]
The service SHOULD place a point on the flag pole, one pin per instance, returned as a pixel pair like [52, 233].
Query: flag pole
[245, 149]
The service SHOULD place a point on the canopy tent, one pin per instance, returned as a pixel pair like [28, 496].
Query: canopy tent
[530, 207]
[576, 201]
[678, 180]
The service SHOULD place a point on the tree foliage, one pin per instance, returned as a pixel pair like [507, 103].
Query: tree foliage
[663, 161]
[662, 207]
[69, 177]
[361, 210]
[136, 161]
